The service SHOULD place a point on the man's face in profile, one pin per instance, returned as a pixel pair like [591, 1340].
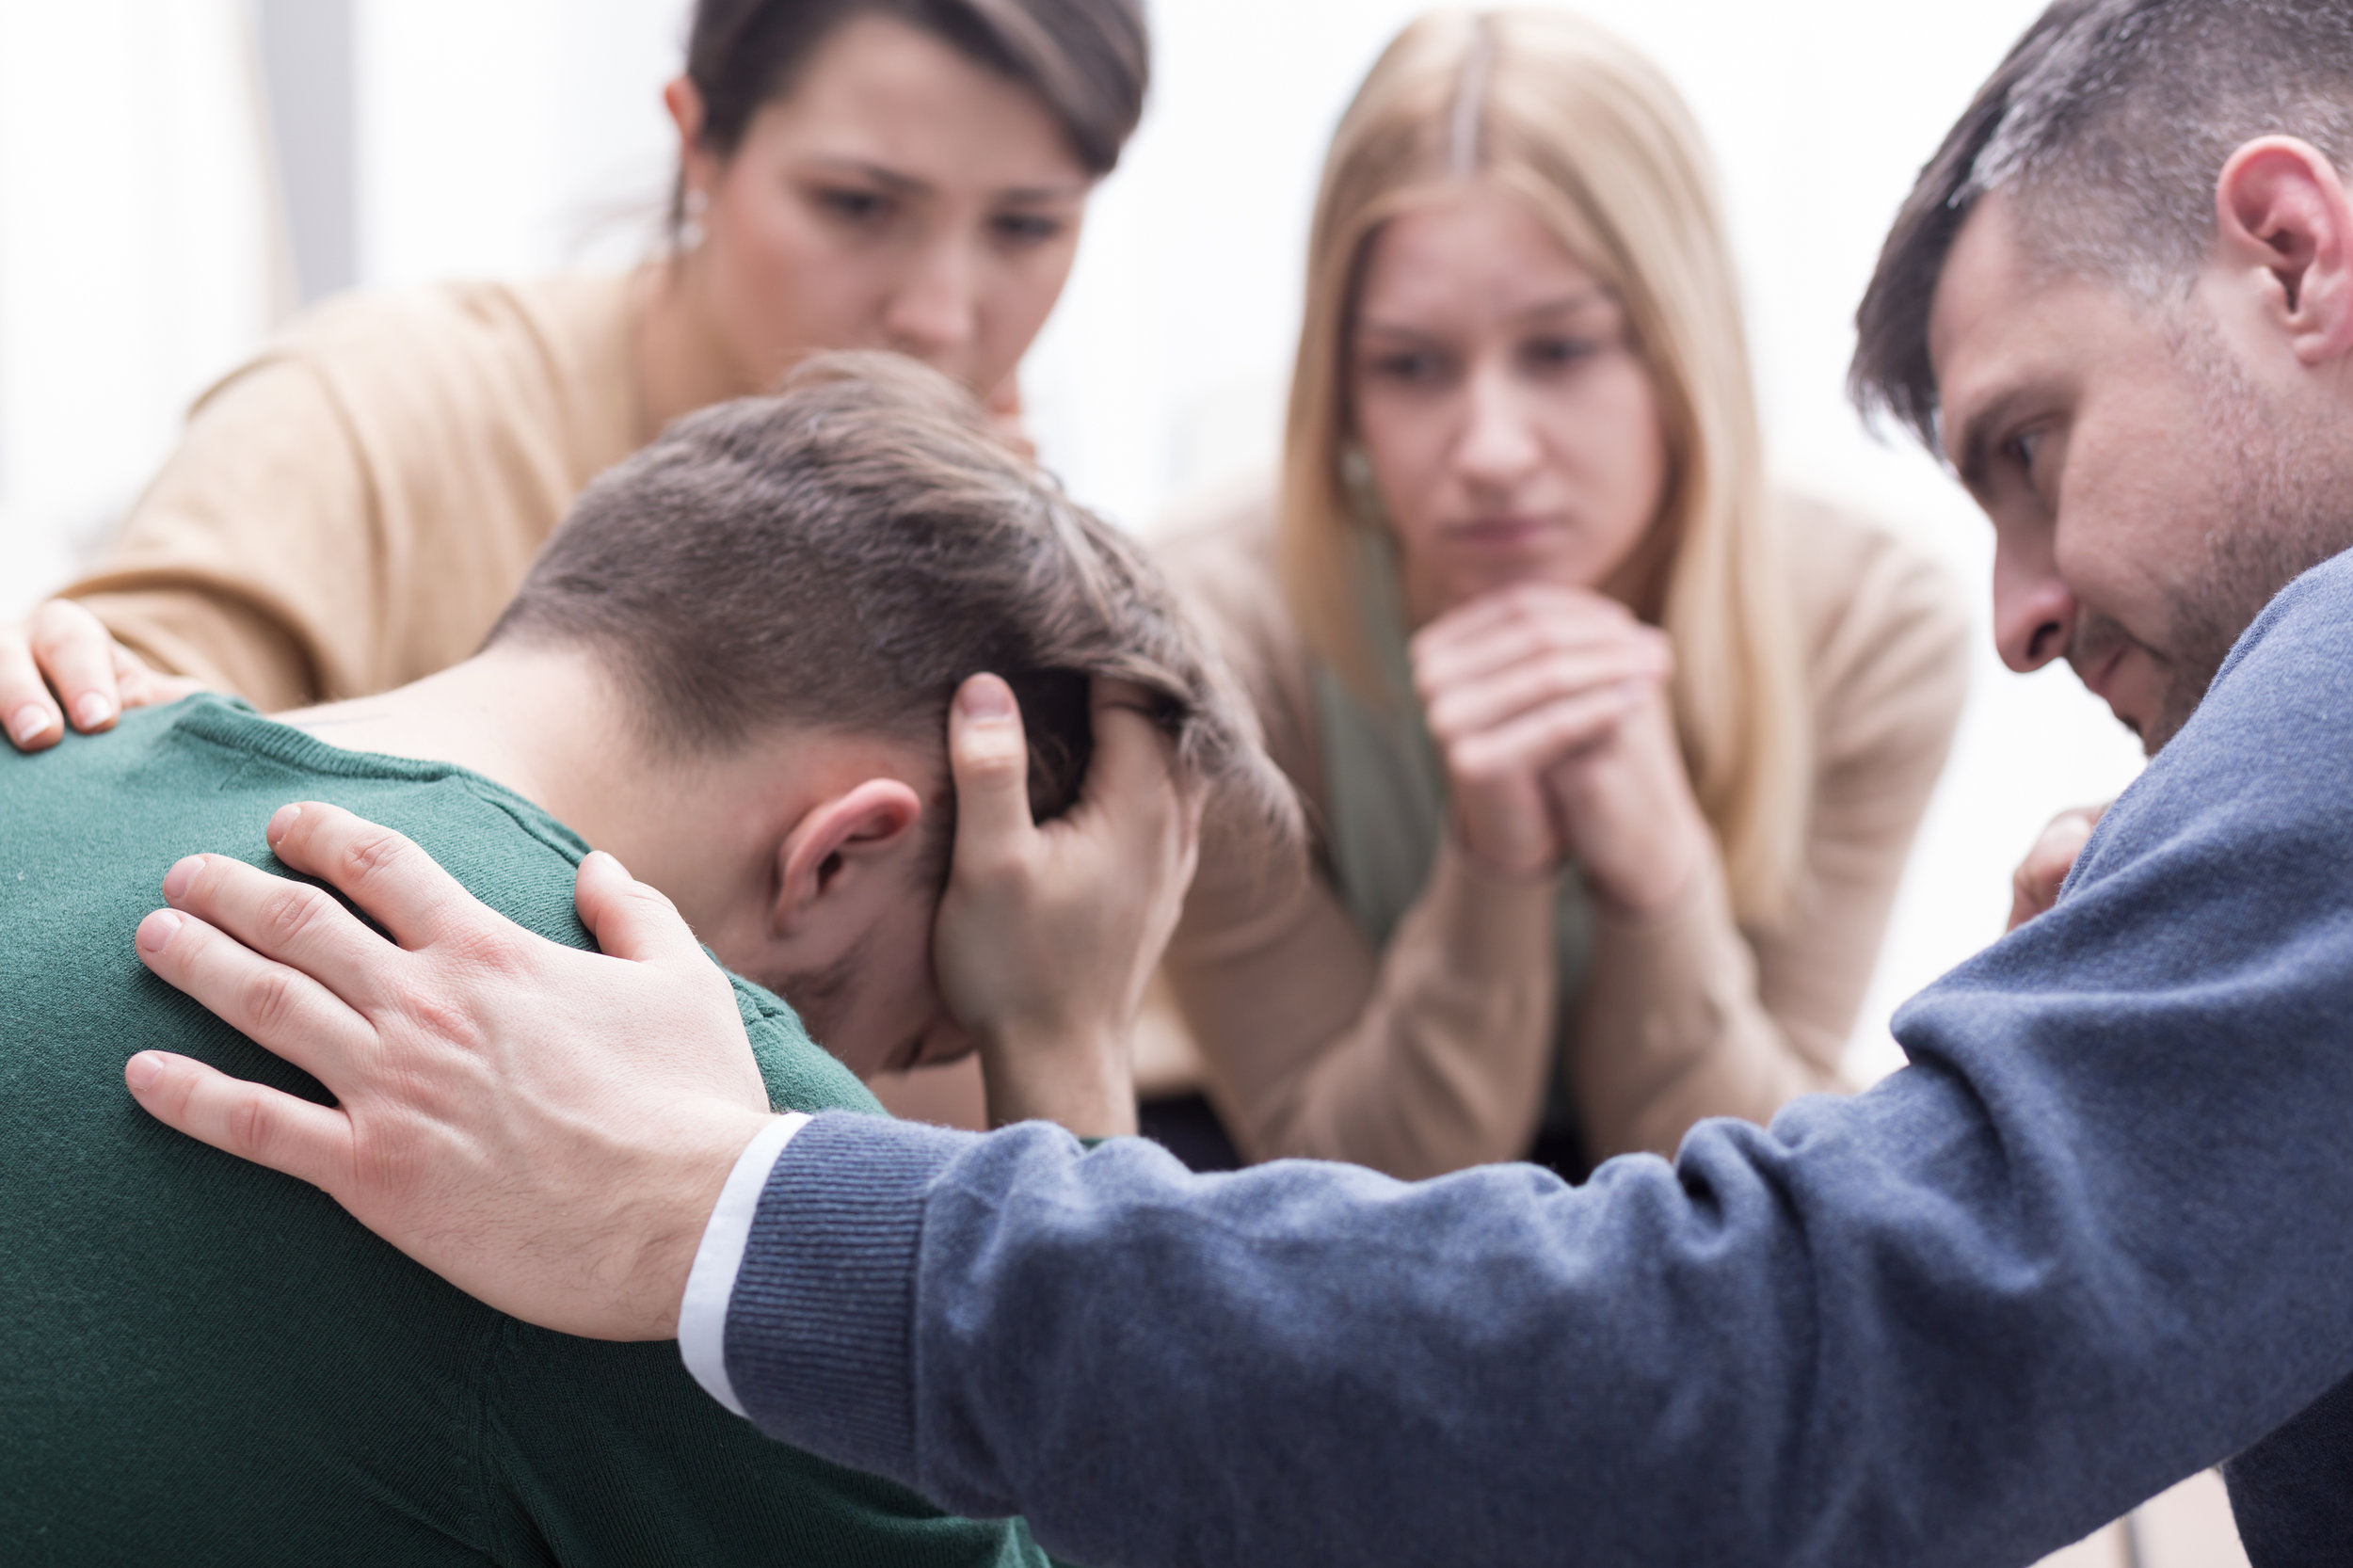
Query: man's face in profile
[818, 875]
[2147, 498]
[877, 1007]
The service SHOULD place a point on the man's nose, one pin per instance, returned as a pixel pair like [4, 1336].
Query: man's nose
[2034, 611]
[936, 311]
[1499, 445]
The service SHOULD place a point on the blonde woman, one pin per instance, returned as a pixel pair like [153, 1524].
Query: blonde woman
[1615, 753]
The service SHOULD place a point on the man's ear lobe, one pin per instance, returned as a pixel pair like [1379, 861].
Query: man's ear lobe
[840, 844]
[2280, 207]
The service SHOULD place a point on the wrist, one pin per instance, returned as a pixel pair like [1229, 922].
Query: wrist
[1657, 876]
[1079, 1077]
[1651, 890]
[1498, 862]
[665, 1208]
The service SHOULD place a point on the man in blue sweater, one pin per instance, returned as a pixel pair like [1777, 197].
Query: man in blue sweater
[2097, 1236]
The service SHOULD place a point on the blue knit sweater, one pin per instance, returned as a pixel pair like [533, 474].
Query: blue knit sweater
[2097, 1236]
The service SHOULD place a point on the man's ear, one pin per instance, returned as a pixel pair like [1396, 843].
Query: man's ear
[842, 846]
[2280, 209]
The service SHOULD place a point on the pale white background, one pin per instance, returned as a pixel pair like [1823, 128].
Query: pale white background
[140, 254]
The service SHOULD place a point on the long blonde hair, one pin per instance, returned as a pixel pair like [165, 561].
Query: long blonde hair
[1599, 145]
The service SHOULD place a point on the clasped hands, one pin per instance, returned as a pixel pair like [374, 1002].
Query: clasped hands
[549, 1128]
[1551, 709]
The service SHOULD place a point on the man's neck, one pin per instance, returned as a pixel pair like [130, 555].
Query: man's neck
[547, 723]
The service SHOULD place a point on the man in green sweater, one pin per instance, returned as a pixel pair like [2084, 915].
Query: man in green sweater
[734, 667]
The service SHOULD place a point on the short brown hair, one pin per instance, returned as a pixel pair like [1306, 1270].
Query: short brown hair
[847, 554]
[2110, 122]
[1088, 61]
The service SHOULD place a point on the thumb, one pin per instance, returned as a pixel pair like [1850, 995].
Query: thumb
[990, 756]
[630, 918]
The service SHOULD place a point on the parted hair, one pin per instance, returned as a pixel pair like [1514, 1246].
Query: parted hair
[2108, 127]
[1599, 144]
[845, 554]
[1088, 61]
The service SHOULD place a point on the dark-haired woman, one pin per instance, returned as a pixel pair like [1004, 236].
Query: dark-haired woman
[350, 510]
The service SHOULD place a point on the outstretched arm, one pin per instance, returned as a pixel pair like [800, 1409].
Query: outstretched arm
[2092, 1243]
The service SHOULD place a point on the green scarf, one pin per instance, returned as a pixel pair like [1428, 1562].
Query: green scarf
[1388, 801]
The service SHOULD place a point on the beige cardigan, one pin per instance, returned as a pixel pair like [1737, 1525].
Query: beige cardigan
[351, 510]
[1435, 1055]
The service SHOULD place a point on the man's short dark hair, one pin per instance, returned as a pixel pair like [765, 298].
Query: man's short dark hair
[2107, 125]
[844, 555]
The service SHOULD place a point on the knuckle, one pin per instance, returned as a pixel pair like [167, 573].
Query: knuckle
[996, 866]
[993, 763]
[485, 954]
[291, 912]
[60, 625]
[651, 896]
[384, 1165]
[269, 1002]
[371, 853]
[1476, 766]
[47, 619]
[440, 1018]
[251, 1130]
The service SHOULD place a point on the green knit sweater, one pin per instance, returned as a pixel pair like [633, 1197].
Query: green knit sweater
[205, 1362]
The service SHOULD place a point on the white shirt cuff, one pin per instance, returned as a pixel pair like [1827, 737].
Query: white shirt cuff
[702, 1316]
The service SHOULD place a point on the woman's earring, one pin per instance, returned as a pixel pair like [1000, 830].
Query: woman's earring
[690, 229]
[1364, 491]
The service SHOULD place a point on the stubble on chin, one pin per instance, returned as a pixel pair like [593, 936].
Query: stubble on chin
[2276, 510]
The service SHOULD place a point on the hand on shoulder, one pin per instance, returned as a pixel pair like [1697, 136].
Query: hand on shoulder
[63, 662]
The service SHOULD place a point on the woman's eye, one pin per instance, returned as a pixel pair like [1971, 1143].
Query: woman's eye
[1558, 352]
[1027, 228]
[1419, 368]
[855, 206]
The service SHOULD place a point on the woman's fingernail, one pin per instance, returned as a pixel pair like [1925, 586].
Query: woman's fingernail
[986, 699]
[142, 1070]
[177, 879]
[92, 711]
[157, 930]
[32, 720]
[281, 825]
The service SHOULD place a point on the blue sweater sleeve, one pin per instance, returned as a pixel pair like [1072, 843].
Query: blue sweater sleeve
[2093, 1239]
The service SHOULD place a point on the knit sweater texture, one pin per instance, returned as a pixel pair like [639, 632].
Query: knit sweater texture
[202, 1361]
